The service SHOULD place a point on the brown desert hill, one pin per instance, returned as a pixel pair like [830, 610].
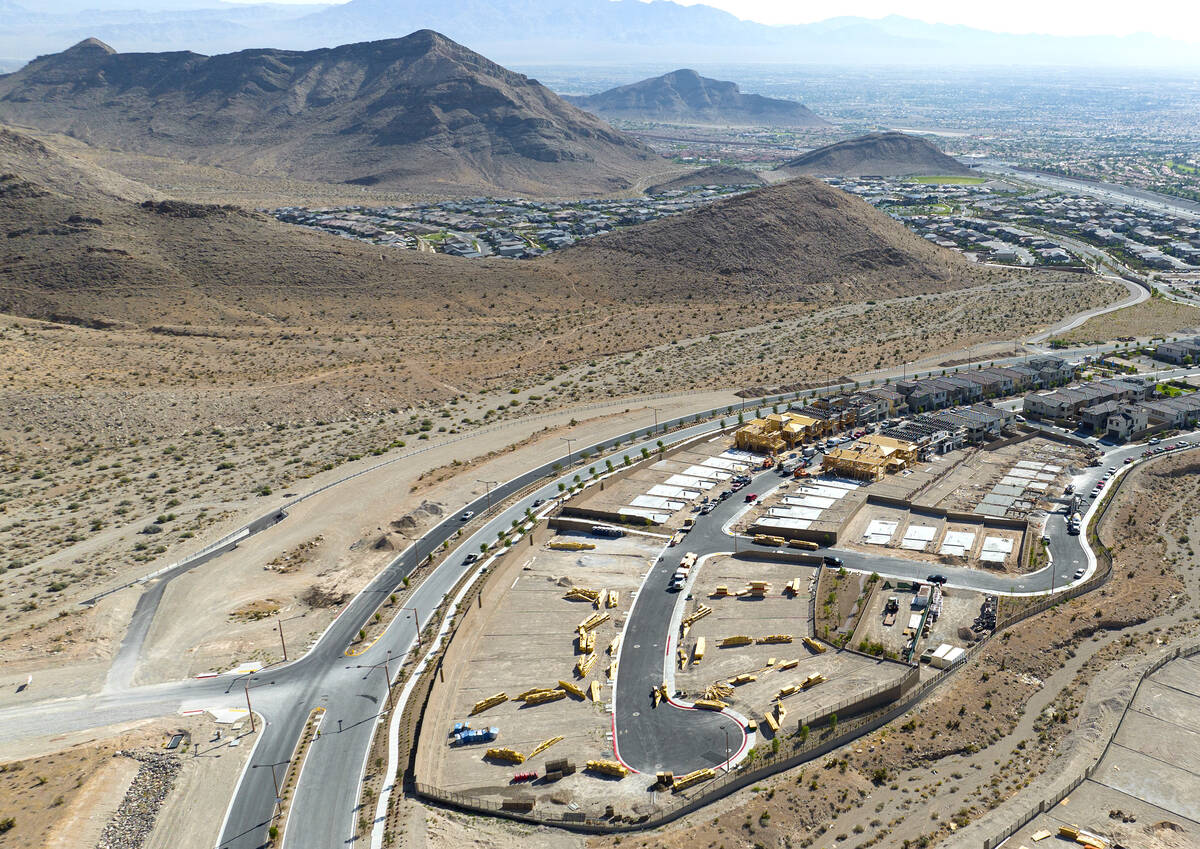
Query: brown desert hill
[232, 281]
[889, 154]
[419, 113]
[685, 97]
[798, 240]
[713, 175]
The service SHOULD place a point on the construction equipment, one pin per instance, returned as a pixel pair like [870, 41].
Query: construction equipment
[683, 782]
[545, 696]
[489, 702]
[788, 664]
[698, 652]
[812, 681]
[710, 704]
[592, 622]
[613, 768]
[582, 594]
[584, 665]
[507, 755]
[543, 746]
[737, 640]
[772, 639]
[572, 689]
[571, 545]
[813, 646]
[594, 691]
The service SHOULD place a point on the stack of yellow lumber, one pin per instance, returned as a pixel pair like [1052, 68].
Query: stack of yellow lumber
[738, 640]
[582, 594]
[504, 755]
[710, 704]
[490, 701]
[543, 746]
[744, 678]
[813, 645]
[572, 689]
[613, 768]
[685, 781]
[774, 638]
[812, 680]
[584, 665]
[719, 690]
[545, 696]
[593, 622]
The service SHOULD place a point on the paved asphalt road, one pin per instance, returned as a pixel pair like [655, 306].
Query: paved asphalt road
[352, 692]
[682, 739]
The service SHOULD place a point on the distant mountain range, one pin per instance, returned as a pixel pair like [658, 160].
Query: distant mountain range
[685, 97]
[421, 113]
[566, 31]
[890, 154]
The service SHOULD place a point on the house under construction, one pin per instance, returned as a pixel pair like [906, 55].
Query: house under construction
[779, 432]
[872, 457]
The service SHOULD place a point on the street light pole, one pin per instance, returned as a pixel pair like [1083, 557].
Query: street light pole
[656, 412]
[487, 485]
[416, 621]
[568, 440]
[725, 728]
[279, 625]
[249, 709]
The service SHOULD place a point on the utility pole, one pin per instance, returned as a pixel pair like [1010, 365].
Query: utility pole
[488, 489]
[725, 728]
[656, 412]
[568, 440]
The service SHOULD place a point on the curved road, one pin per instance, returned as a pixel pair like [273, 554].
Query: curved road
[352, 690]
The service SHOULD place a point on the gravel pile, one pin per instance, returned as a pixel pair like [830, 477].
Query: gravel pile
[134, 819]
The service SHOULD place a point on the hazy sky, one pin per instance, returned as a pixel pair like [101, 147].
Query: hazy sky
[1058, 17]
[1171, 18]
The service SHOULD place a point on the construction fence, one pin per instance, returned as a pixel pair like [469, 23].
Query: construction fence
[802, 747]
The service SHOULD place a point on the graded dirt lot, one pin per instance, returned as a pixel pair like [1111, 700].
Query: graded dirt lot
[67, 798]
[1153, 317]
[527, 640]
[846, 674]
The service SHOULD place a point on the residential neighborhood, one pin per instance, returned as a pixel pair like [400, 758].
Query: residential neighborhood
[513, 228]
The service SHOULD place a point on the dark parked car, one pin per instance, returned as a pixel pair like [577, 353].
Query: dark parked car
[936, 579]
[830, 560]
